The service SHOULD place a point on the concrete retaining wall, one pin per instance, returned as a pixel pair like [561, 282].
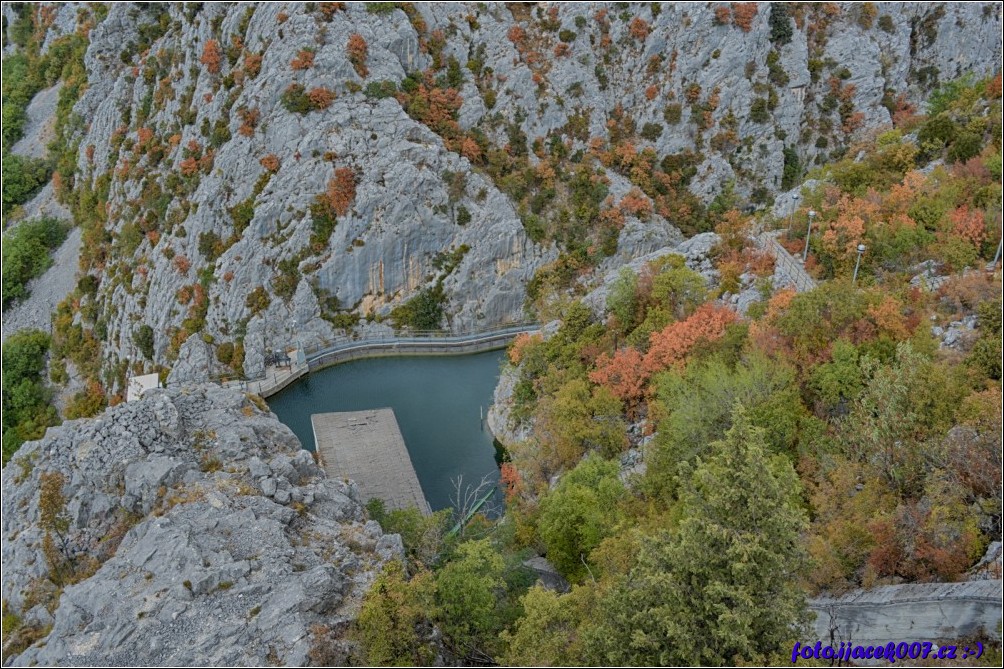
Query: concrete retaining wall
[378, 349]
[910, 612]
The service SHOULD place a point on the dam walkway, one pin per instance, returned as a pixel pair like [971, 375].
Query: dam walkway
[343, 349]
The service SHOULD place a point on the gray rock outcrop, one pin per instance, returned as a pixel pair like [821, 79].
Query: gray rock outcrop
[195, 530]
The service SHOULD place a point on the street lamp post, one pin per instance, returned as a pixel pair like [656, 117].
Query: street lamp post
[296, 337]
[857, 264]
[794, 210]
[808, 233]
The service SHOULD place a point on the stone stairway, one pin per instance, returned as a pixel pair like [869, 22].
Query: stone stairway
[791, 270]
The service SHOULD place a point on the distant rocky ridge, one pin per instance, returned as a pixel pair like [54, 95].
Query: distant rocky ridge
[201, 530]
[148, 73]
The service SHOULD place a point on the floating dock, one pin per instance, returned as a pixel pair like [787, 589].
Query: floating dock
[367, 447]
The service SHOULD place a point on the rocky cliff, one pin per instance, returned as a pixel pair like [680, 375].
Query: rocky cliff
[209, 131]
[188, 527]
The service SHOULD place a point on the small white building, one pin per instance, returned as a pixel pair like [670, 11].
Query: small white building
[140, 384]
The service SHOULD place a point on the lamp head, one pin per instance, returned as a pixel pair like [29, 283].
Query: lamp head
[861, 248]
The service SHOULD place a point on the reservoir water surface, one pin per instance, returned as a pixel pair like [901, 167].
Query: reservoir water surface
[438, 402]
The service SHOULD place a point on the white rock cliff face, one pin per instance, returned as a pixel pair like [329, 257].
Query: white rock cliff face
[382, 250]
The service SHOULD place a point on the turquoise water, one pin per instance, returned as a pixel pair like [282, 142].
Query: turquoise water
[437, 400]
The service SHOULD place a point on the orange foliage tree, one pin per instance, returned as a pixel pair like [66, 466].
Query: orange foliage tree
[968, 224]
[271, 163]
[639, 28]
[519, 345]
[623, 373]
[670, 346]
[211, 56]
[358, 50]
[628, 371]
[743, 14]
[304, 60]
[320, 97]
[341, 190]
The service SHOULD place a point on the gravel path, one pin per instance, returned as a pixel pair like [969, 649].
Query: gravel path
[41, 126]
[47, 291]
[38, 132]
[44, 204]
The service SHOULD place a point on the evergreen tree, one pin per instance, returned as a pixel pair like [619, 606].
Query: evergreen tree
[723, 587]
[780, 24]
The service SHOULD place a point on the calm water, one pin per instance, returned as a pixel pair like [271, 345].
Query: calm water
[436, 400]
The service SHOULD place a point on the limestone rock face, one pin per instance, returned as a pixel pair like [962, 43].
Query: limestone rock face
[210, 170]
[198, 531]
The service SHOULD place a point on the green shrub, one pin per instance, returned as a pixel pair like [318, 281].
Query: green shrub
[673, 113]
[258, 300]
[242, 213]
[380, 89]
[967, 145]
[463, 215]
[780, 24]
[776, 73]
[296, 100]
[22, 178]
[86, 403]
[225, 352]
[422, 312]
[651, 131]
[210, 245]
[792, 168]
[323, 220]
[26, 409]
[26, 251]
[759, 112]
[579, 513]
[143, 338]
[285, 282]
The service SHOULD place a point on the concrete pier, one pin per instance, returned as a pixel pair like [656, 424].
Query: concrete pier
[367, 447]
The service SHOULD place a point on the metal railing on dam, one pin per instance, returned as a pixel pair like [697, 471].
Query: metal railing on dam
[273, 378]
[414, 343]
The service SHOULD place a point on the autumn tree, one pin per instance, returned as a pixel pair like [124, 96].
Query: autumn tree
[341, 191]
[639, 28]
[320, 97]
[55, 522]
[671, 345]
[270, 163]
[357, 51]
[743, 14]
[304, 60]
[211, 56]
[624, 373]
